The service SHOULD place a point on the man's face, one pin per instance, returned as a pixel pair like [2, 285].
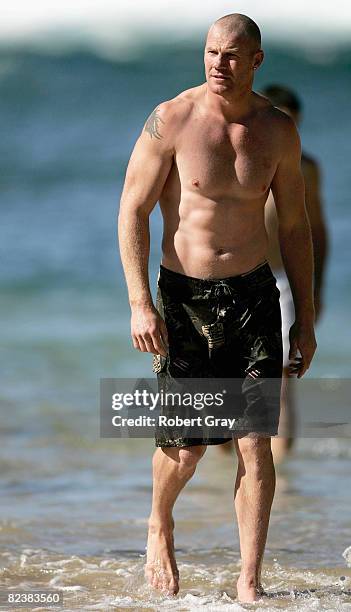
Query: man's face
[229, 61]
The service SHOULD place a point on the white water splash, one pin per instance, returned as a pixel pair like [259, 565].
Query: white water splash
[108, 25]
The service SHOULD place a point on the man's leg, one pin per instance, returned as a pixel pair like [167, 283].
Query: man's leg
[172, 468]
[254, 491]
[283, 443]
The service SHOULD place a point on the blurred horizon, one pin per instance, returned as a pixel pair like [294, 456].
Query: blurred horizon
[113, 29]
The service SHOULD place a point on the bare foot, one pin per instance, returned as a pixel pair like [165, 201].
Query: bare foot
[161, 569]
[248, 590]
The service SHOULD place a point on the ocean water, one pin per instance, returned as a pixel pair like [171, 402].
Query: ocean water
[74, 507]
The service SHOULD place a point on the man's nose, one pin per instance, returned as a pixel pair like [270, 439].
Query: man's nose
[219, 60]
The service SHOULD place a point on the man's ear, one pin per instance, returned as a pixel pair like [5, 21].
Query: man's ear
[258, 59]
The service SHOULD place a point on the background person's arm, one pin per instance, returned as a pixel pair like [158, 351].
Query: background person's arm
[319, 231]
[147, 171]
[296, 246]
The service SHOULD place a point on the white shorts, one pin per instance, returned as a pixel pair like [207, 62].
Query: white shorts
[287, 310]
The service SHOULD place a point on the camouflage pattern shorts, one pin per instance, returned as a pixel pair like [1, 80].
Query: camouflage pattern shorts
[223, 328]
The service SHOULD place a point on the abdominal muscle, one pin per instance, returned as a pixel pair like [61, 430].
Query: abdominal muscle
[207, 239]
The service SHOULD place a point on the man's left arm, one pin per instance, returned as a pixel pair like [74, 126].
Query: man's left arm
[320, 237]
[296, 246]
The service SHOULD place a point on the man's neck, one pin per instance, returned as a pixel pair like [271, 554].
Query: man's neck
[231, 107]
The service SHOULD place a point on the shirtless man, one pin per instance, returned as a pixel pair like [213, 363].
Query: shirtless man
[287, 101]
[210, 157]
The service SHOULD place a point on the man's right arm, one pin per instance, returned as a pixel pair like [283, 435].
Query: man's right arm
[147, 171]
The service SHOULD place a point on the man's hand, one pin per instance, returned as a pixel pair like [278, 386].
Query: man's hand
[149, 331]
[302, 338]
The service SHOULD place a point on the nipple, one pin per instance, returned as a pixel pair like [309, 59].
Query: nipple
[195, 182]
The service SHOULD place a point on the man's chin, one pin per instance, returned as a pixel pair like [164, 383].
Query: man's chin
[219, 86]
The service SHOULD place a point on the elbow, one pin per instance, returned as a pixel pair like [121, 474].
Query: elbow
[320, 237]
[135, 208]
[133, 214]
[132, 222]
[296, 228]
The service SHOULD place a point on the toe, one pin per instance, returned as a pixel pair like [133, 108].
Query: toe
[173, 586]
[163, 581]
[155, 581]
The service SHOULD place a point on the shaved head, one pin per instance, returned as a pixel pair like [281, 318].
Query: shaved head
[232, 53]
[239, 25]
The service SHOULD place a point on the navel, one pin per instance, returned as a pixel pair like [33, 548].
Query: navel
[195, 182]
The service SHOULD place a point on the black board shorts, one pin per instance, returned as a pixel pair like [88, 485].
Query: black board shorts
[223, 328]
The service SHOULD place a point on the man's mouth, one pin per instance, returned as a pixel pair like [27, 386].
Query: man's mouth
[220, 76]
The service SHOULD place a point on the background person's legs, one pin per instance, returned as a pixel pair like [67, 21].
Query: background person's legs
[253, 497]
[172, 468]
[282, 444]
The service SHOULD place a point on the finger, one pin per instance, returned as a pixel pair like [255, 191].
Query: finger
[303, 371]
[295, 366]
[293, 372]
[136, 343]
[296, 363]
[307, 363]
[296, 360]
[149, 344]
[158, 344]
[304, 365]
[293, 349]
[142, 344]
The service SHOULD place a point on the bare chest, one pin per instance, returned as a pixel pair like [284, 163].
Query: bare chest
[233, 161]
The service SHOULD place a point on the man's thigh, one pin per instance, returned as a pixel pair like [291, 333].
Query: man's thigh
[255, 356]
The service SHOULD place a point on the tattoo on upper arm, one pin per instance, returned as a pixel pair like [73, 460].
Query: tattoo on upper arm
[152, 124]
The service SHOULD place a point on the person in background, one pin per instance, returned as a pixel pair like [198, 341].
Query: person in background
[287, 101]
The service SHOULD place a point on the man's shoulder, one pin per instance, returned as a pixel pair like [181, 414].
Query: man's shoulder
[166, 119]
[176, 110]
[281, 128]
[275, 118]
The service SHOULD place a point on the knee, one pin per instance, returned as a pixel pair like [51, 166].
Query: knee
[254, 453]
[189, 457]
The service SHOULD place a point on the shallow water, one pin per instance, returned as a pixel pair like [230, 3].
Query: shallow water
[74, 518]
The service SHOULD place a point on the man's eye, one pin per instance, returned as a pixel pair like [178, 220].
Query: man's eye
[212, 52]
